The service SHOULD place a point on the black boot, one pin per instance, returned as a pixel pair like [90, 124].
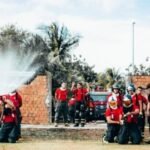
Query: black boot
[82, 124]
[11, 141]
[76, 124]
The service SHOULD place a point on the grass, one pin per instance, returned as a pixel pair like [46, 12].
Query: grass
[33, 144]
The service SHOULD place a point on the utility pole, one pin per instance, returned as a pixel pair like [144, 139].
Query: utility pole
[133, 24]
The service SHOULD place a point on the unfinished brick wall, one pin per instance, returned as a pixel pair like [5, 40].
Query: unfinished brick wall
[140, 80]
[34, 110]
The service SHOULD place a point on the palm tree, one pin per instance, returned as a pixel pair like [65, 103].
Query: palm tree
[109, 77]
[36, 44]
[60, 42]
[113, 76]
[102, 80]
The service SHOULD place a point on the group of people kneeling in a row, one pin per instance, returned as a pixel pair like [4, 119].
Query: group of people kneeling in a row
[126, 117]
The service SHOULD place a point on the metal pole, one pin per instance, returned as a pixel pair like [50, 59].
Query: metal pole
[133, 24]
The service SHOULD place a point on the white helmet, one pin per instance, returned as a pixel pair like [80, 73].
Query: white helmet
[112, 101]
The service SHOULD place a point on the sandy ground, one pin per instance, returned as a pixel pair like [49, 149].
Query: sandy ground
[26, 144]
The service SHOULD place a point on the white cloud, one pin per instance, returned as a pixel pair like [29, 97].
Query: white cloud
[105, 6]
[106, 42]
[110, 5]
[55, 3]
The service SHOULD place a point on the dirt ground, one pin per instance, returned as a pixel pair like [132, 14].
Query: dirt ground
[26, 144]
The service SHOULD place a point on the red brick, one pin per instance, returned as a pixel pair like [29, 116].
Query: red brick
[141, 80]
[33, 109]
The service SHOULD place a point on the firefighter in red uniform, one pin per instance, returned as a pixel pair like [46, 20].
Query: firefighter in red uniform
[135, 97]
[143, 107]
[129, 129]
[116, 94]
[61, 95]
[136, 100]
[80, 94]
[113, 116]
[90, 107]
[148, 107]
[148, 97]
[71, 109]
[15, 96]
[9, 119]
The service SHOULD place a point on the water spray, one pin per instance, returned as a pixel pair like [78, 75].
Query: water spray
[16, 69]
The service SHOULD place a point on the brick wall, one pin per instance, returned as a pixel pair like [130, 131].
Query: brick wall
[140, 80]
[34, 109]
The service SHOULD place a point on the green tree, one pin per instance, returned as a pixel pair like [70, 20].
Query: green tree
[141, 69]
[109, 77]
[36, 44]
[12, 37]
[60, 42]
[52, 51]
[79, 70]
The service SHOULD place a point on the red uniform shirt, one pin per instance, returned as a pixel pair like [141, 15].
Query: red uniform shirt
[10, 117]
[113, 113]
[136, 98]
[80, 94]
[61, 95]
[132, 118]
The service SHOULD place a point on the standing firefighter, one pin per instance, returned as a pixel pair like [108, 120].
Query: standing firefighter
[113, 116]
[148, 107]
[143, 107]
[9, 120]
[132, 92]
[61, 96]
[129, 130]
[80, 94]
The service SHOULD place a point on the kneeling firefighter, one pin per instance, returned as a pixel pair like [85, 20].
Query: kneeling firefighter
[129, 130]
[113, 117]
[9, 120]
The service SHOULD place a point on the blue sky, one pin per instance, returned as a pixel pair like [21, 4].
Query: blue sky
[105, 26]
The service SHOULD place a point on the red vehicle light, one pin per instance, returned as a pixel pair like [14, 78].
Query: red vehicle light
[100, 103]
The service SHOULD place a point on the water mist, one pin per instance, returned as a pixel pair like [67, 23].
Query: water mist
[16, 69]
